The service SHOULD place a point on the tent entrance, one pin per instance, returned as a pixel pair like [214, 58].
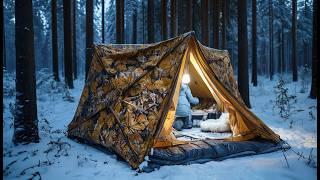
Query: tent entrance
[202, 88]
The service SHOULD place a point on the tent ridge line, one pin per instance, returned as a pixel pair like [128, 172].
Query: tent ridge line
[161, 122]
[130, 85]
[145, 46]
[152, 67]
[171, 95]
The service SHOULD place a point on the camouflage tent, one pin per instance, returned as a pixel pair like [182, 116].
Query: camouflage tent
[128, 103]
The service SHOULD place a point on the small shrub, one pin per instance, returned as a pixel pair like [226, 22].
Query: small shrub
[283, 100]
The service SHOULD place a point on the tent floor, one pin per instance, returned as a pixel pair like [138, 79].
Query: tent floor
[196, 133]
[201, 151]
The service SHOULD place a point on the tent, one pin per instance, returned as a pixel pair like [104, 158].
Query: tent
[128, 102]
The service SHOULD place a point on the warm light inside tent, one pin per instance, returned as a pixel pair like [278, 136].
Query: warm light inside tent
[205, 78]
[186, 78]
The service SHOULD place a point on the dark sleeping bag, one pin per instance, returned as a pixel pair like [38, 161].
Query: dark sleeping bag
[202, 151]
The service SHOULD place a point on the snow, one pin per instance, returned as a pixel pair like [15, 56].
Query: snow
[57, 157]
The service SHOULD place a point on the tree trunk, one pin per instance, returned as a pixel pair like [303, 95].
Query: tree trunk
[305, 49]
[143, 22]
[279, 52]
[25, 120]
[224, 12]
[216, 11]
[271, 39]
[254, 43]
[181, 23]
[4, 60]
[164, 19]
[119, 21]
[173, 19]
[102, 23]
[67, 26]
[89, 34]
[134, 26]
[74, 38]
[189, 15]
[150, 20]
[204, 23]
[264, 58]
[314, 93]
[282, 49]
[55, 62]
[288, 56]
[3, 39]
[294, 38]
[227, 2]
[243, 75]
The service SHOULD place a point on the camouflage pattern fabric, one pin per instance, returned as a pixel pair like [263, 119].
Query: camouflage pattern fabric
[127, 90]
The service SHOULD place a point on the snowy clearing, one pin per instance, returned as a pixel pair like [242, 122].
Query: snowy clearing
[57, 157]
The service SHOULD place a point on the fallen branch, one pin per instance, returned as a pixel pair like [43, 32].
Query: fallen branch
[23, 172]
[5, 171]
[47, 163]
[309, 161]
[35, 175]
[62, 146]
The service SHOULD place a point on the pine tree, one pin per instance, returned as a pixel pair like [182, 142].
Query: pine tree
[67, 25]
[282, 48]
[120, 21]
[279, 51]
[110, 22]
[271, 39]
[150, 20]
[102, 20]
[294, 39]
[134, 26]
[74, 39]
[173, 19]
[55, 64]
[189, 15]
[3, 40]
[204, 23]
[223, 32]
[180, 16]
[143, 22]
[25, 120]
[254, 43]
[315, 56]
[164, 19]
[216, 19]
[243, 75]
[89, 34]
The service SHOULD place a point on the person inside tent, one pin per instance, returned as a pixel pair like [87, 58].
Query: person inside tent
[183, 113]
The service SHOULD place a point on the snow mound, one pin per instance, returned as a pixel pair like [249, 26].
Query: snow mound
[216, 125]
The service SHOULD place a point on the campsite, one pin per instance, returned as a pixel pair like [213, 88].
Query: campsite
[94, 89]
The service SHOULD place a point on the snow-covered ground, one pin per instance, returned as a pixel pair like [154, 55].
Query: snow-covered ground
[57, 157]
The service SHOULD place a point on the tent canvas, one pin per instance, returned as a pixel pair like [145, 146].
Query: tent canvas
[128, 102]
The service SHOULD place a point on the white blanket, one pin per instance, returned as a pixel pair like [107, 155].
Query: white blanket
[216, 125]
